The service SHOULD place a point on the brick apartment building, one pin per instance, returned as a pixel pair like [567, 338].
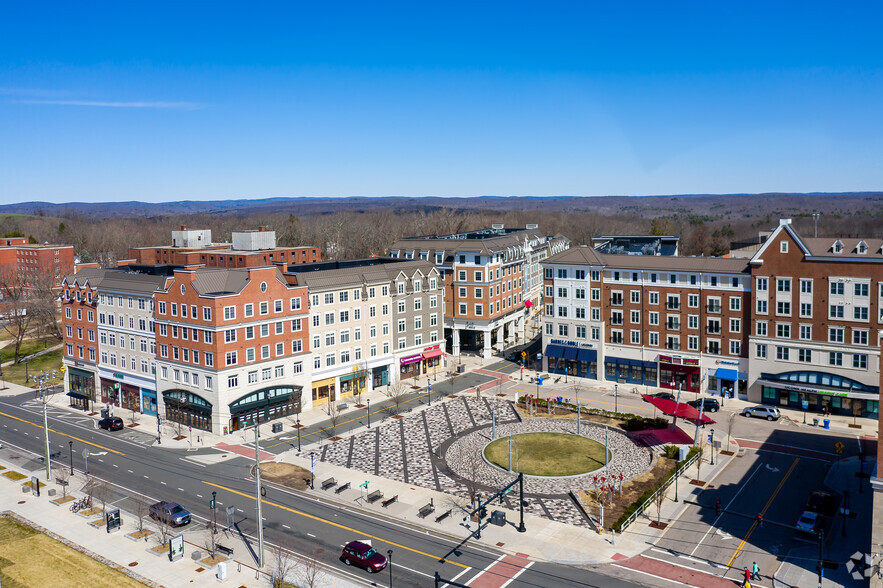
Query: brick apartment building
[491, 277]
[373, 322]
[662, 321]
[232, 347]
[80, 336]
[33, 262]
[248, 249]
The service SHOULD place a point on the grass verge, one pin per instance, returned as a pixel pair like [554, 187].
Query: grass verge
[547, 454]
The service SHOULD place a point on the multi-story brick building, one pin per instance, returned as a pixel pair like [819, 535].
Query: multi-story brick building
[80, 336]
[232, 347]
[662, 321]
[817, 307]
[489, 275]
[372, 322]
[248, 249]
[33, 263]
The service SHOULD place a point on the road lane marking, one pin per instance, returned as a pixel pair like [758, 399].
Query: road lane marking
[727, 507]
[287, 527]
[163, 483]
[338, 525]
[489, 566]
[114, 465]
[130, 471]
[763, 512]
[181, 489]
[678, 582]
[62, 434]
[518, 573]
[457, 577]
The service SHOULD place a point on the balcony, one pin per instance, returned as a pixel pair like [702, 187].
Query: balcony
[715, 308]
[673, 305]
[673, 346]
[713, 350]
[616, 300]
[673, 325]
[713, 329]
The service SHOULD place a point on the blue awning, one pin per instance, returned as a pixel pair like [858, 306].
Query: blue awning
[570, 353]
[76, 395]
[727, 374]
[587, 355]
[554, 351]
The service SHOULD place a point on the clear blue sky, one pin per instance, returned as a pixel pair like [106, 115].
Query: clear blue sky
[214, 100]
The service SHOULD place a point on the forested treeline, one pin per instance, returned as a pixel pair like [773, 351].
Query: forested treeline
[364, 233]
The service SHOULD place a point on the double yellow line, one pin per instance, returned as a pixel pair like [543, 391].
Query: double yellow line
[338, 525]
[108, 449]
[762, 512]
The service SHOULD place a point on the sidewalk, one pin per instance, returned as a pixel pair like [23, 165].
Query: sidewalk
[133, 556]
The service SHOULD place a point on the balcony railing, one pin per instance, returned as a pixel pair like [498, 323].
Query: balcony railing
[673, 346]
[673, 305]
[673, 326]
[713, 330]
[716, 308]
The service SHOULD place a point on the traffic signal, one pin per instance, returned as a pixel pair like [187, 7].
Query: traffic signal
[760, 520]
[717, 507]
[211, 503]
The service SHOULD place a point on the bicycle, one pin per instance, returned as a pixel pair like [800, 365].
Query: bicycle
[81, 504]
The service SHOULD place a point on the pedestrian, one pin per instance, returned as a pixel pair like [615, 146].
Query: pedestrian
[747, 582]
[755, 571]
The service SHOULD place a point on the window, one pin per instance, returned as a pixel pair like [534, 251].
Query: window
[783, 308]
[280, 349]
[580, 332]
[635, 337]
[806, 309]
[265, 352]
[783, 246]
[735, 303]
[805, 286]
[596, 314]
[837, 288]
[230, 358]
[804, 355]
[229, 313]
[654, 298]
[860, 361]
[861, 290]
[760, 351]
[253, 377]
[249, 310]
[264, 308]
[761, 306]
[835, 358]
[596, 294]
[230, 336]
[635, 317]
[783, 284]
[806, 332]
[277, 306]
[479, 310]
[735, 347]
[297, 367]
[693, 300]
[735, 325]
[835, 311]
[615, 336]
[783, 330]
[653, 318]
[762, 284]
[693, 321]
[835, 334]
[692, 342]
[860, 313]
[782, 353]
[635, 296]
[295, 305]
[859, 337]
[654, 339]
[233, 381]
[616, 298]
[562, 311]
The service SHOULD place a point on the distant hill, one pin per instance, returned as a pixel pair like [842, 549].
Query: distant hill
[710, 206]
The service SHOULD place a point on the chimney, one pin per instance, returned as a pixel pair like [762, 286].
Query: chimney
[262, 229]
[784, 221]
[183, 227]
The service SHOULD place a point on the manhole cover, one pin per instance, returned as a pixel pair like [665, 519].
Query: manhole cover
[133, 564]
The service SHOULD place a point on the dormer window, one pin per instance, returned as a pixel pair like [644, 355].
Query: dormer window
[861, 248]
[837, 247]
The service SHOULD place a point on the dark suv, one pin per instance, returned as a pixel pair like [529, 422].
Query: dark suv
[711, 404]
[111, 423]
[170, 512]
[356, 553]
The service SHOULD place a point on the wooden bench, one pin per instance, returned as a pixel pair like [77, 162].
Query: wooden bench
[375, 496]
[341, 488]
[342, 407]
[389, 501]
[228, 551]
[443, 516]
[329, 483]
[426, 510]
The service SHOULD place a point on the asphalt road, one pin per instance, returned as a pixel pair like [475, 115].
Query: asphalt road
[298, 522]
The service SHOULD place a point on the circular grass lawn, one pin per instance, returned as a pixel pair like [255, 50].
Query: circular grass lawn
[547, 454]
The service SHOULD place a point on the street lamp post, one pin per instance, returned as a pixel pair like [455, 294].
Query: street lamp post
[712, 446]
[368, 410]
[389, 564]
[616, 398]
[298, 431]
[214, 516]
[71, 445]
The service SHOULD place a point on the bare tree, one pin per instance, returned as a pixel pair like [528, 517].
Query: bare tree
[102, 493]
[333, 411]
[731, 419]
[16, 307]
[658, 499]
[397, 394]
[134, 416]
[62, 477]
[164, 526]
[211, 540]
[284, 566]
[309, 571]
[141, 511]
[700, 451]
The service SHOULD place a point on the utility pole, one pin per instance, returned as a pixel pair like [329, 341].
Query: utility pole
[677, 402]
[616, 398]
[578, 414]
[257, 478]
[45, 429]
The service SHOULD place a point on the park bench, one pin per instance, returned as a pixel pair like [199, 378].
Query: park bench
[443, 515]
[426, 510]
[389, 501]
[342, 406]
[341, 488]
[228, 551]
[375, 496]
[329, 483]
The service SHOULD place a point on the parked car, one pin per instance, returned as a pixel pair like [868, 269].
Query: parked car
[171, 512]
[356, 553]
[809, 522]
[665, 395]
[111, 423]
[822, 502]
[770, 413]
[513, 356]
[711, 404]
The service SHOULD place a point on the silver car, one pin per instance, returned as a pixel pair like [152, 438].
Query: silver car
[770, 413]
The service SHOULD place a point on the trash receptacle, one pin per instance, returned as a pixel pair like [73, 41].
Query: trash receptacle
[827, 423]
[222, 570]
[277, 427]
[815, 422]
[498, 518]
[461, 368]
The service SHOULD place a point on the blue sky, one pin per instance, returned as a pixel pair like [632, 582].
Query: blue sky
[216, 100]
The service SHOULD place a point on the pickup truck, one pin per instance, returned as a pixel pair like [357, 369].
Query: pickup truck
[171, 512]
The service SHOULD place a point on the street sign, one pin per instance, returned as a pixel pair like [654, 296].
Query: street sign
[524, 354]
[539, 356]
[85, 453]
[313, 462]
[62, 368]
[838, 447]
[364, 485]
[710, 438]
[539, 381]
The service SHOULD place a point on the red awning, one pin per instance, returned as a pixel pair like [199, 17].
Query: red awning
[432, 353]
[672, 408]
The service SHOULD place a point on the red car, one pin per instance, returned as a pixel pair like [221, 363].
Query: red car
[356, 553]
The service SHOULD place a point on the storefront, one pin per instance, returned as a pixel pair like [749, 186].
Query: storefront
[324, 391]
[188, 409]
[676, 371]
[265, 405]
[816, 391]
[379, 376]
[114, 392]
[630, 371]
[409, 367]
[353, 384]
[571, 358]
[81, 387]
[432, 360]
[727, 379]
[148, 401]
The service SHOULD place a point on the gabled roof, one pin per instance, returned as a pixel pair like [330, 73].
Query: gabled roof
[824, 247]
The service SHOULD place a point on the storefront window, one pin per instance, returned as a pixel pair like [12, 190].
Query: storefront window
[770, 395]
[610, 370]
[650, 375]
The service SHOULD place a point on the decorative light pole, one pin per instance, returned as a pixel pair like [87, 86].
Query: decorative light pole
[71, 445]
[389, 563]
[367, 410]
